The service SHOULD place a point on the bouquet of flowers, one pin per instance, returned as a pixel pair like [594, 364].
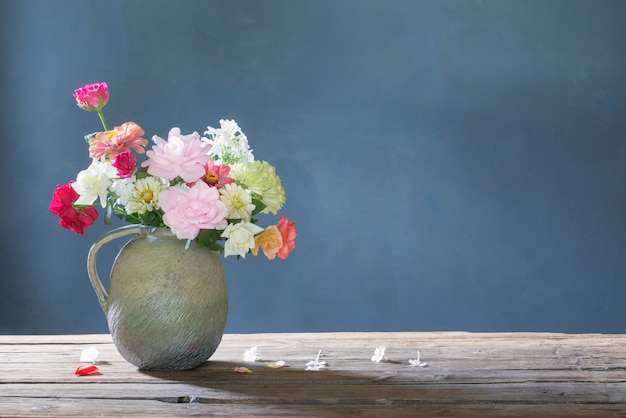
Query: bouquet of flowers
[204, 188]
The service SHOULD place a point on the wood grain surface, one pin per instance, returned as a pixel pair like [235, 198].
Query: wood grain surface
[467, 375]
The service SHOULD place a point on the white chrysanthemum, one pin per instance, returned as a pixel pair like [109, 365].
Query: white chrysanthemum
[259, 177]
[145, 195]
[122, 189]
[94, 182]
[237, 201]
[229, 145]
[240, 238]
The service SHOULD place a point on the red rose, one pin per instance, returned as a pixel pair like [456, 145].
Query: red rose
[76, 220]
[125, 163]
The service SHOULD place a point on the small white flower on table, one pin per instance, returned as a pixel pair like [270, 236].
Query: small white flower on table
[417, 362]
[316, 365]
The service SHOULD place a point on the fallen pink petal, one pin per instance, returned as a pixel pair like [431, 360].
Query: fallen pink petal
[243, 370]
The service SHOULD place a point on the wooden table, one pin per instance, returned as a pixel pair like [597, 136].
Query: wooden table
[467, 374]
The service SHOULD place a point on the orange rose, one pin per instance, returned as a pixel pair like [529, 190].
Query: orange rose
[270, 241]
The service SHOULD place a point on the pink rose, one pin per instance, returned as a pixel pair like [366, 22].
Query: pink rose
[287, 229]
[180, 156]
[188, 210]
[125, 164]
[92, 97]
[62, 204]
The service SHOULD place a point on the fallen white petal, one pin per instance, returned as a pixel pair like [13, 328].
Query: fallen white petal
[276, 365]
[379, 354]
[251, 355]
[89, 355]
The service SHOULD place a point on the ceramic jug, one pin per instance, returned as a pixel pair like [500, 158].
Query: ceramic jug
[167, 301]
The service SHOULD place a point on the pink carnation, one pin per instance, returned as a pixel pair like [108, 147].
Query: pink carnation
[187, 211]
[180, 156]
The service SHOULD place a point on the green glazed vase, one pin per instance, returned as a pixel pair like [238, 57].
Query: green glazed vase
[166, 306]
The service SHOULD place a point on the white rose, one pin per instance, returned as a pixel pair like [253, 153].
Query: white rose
[240, 238]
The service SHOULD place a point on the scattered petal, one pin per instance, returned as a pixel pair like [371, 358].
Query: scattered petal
[89, 355]
[87, 370]
[417, 362]
[251, 355]
[379, 354]
[316, 365]
[276, 365]
[242, 369]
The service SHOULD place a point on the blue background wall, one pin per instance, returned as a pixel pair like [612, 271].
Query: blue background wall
[451, 165]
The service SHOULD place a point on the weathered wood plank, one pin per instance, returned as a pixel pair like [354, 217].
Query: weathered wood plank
[45, 407]
[333, 393]
[490, 374]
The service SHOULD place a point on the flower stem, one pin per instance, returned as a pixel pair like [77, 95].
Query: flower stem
[104, 122]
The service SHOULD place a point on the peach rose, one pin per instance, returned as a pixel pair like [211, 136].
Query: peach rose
[270, 241]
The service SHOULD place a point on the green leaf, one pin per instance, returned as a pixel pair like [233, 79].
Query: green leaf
[216, 247]
[141, 174]
[132, 218]
[208, 238]
[108, 214]
[258, 206]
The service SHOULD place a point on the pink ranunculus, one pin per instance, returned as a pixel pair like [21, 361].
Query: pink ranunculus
[125, 164]
[287, 229]
[92, 97]
[76, 220]
[188, 210]
[125, 137]
[180, 156]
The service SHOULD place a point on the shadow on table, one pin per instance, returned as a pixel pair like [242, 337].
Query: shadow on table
[288, 389]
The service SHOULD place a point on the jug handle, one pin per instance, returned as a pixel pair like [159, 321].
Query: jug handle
[101, 293]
